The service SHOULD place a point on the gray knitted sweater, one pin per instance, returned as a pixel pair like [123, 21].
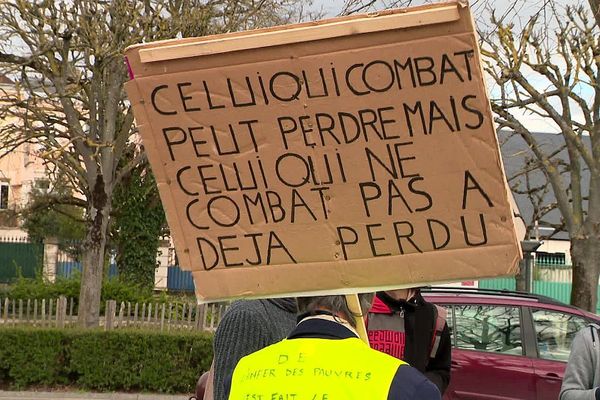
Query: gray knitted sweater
[582, 376]
[248, 326]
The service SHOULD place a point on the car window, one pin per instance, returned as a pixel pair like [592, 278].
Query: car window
[555, 332]
[488, 328]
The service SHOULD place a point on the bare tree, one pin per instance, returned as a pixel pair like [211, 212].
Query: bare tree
[70, 102]
[529, 185]
[557, 77]
[360, 6]
[481, 8]
[595, 7]
[548, 66]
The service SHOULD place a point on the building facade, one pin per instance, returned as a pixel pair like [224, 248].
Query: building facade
[21, 172]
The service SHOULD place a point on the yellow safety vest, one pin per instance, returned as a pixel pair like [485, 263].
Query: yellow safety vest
[314, 369]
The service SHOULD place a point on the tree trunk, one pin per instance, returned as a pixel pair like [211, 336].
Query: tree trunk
[585, 254]
[595, 6]
[93, 259]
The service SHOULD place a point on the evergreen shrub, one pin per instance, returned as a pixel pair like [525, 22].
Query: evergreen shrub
[120, 360]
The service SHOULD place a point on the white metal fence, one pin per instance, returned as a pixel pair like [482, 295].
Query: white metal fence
[61, 313]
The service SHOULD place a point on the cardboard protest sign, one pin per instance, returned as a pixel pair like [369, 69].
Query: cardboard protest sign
[344, 155]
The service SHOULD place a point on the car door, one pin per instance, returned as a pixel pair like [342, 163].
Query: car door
[555, 331]
[487, 357]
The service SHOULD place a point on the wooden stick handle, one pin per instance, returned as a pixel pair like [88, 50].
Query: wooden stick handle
[354, 306]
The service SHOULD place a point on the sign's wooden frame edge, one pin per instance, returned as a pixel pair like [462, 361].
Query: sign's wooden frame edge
[429, 16]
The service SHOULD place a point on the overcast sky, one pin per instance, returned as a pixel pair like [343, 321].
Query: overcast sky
[522, 8]
[516, 11]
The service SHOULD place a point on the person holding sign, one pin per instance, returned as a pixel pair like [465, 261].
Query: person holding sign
[402, 324]
[324, 359]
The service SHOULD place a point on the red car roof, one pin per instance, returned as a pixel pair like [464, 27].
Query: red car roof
[457, 296]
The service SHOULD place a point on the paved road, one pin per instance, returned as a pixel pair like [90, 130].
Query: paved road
[4, 395]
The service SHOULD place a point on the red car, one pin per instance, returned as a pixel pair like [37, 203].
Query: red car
[507, 345]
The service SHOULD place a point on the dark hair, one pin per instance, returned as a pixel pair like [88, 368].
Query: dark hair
[336, 305]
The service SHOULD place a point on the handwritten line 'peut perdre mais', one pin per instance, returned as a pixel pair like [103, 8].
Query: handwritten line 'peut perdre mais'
[344, 128]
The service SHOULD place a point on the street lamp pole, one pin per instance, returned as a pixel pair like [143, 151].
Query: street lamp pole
[529, 247]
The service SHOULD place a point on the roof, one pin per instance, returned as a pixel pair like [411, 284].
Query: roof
[4, 80]
[517, 156]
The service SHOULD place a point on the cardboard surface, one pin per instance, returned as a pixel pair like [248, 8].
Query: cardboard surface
[345, 163]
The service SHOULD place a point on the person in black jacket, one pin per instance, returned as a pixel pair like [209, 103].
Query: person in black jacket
[402, 324]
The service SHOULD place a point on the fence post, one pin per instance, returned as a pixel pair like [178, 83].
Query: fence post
[204, 317]
[14, 312]
[35, 312]
[20, 311]
[43, 323]
[149, 313]
[135, 314]
[50, 312]
[6, 305]
[111, 308]
[162, 317]
[143, 316]
[50, 258]
[213, 313]
[156, 313]
[61, 311]
[121, 312]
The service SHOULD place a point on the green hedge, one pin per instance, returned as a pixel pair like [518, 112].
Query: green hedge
[112, 289]
[103, 361]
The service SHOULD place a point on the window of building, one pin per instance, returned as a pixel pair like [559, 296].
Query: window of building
[555, 332]
[42, 185]
[494, 329]
[4, 196]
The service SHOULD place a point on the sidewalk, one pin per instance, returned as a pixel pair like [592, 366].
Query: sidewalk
[4, 395]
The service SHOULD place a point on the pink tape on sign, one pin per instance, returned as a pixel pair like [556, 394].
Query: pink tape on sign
[129, 70]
